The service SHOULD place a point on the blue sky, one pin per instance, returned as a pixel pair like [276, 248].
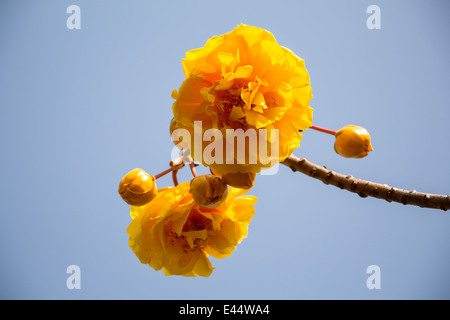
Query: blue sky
[80, 108]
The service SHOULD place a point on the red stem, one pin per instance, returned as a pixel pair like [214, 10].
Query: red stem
[332, 132]
[174, 177]
[176, 167]
[192, 166]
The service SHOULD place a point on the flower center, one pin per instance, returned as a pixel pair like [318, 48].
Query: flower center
[194, 232]
[235, 95]
[230, 106]
[187, 244]
[196, 222]
[238, 101]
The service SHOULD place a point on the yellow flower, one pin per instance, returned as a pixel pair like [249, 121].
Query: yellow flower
[176, 235]
[208, 190]
[352, 142]
[245, 80]
[137, 187]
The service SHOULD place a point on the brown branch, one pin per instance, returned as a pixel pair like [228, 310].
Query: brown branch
[367, 188]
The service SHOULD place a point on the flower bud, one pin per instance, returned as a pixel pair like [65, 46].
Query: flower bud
[352, 142]
[240, 180]
[208, 191]
[138, 187]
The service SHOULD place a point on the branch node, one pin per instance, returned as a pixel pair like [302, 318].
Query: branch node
[330, 175]
[389, 194]
[425, 200]
[444, 207]
[362, 195]
[403, 200]
[313, 172]
[375, 192]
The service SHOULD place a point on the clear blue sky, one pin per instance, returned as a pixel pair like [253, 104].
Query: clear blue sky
[80, 108]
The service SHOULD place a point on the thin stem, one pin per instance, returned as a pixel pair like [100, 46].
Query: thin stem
[367, 188]
[178, 163]
[332, 132]
[175, 167]
[192, 166]
[180, 159]
[174, 177]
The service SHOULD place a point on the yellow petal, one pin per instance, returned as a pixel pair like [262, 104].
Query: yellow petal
[192, 235]
[225, 58]
[243, 72]
[189, 100]
[236, 113]
[202, 265]
[253, 36]
[259, 102]
[224, 84]
[236, 192]
[182, 217]
[135, 211]
[202, 69]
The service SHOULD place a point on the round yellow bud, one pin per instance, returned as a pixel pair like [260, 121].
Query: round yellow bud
[138, 187]
[208, 191]
[352, 142]
[240, 180]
